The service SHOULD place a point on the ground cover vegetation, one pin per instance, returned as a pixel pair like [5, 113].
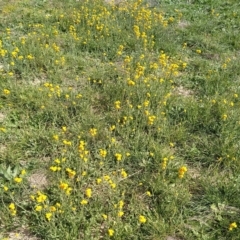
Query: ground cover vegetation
[120, 120]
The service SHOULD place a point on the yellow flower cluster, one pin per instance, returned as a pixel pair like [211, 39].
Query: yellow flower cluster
[12, 209]
[181, 172]
[232, 226]
[142, 219]
[83, 153]
[103, 153]
[118, 156]
[93, 132]
[71, 173]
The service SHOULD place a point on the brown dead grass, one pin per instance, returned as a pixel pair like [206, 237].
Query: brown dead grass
[38, 180]
[180, 90]
[21, 234]
[2, 117]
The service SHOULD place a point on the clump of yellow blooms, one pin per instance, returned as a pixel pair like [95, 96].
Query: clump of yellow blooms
[151, 119]
[48, 216]
[232, 226]
[12, 209]
[83, 152]
[224, 117]
[164, 163]
[181, 171]
[41, 197]
[38, 208]
[84, 202]
[63, 186]
[71, 173]
[93, 132]
[55, 168]
[6, 91]
[118, 156]
[123, 173]
[88, 192]
[18, 179]
[110, 232]
[142, 219]
[117, 105]
[103, 153]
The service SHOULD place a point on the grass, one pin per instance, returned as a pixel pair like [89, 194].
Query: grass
[119, 121]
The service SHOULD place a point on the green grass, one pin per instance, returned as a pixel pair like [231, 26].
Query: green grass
[120, 121]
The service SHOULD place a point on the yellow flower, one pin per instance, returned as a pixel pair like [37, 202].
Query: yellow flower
[48, 216]
[112, 127]
[106, 177]
[53, 209]
[88, 192]
[58, 161]
[224, 117]
[74, 209]
[70, 172]
[149, 193]
[182, 171]
[17, 179]
[65, 142]
[30, 57]
[11, 206]
[232, 226]
[198, 51]
[58, 205]
[41, 197]
[113, 185]
[103, 153]
[142, 219]
[151, 119]
[93, 132]
[79, 96]
[164, 163]
[120, 213]
[123, 173]
[63, 186]
[117, 105]
[32, 197]
[121, 204]
[104, 216]
[38, 208]
[99, 180]
[131, 83]
[110, 232]
[118, 156]
[2, 129]
[56, 137]
[68, 190]
[23, 172]
[55, 168]
[6, 91]
[12, 209]
[84, 202]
